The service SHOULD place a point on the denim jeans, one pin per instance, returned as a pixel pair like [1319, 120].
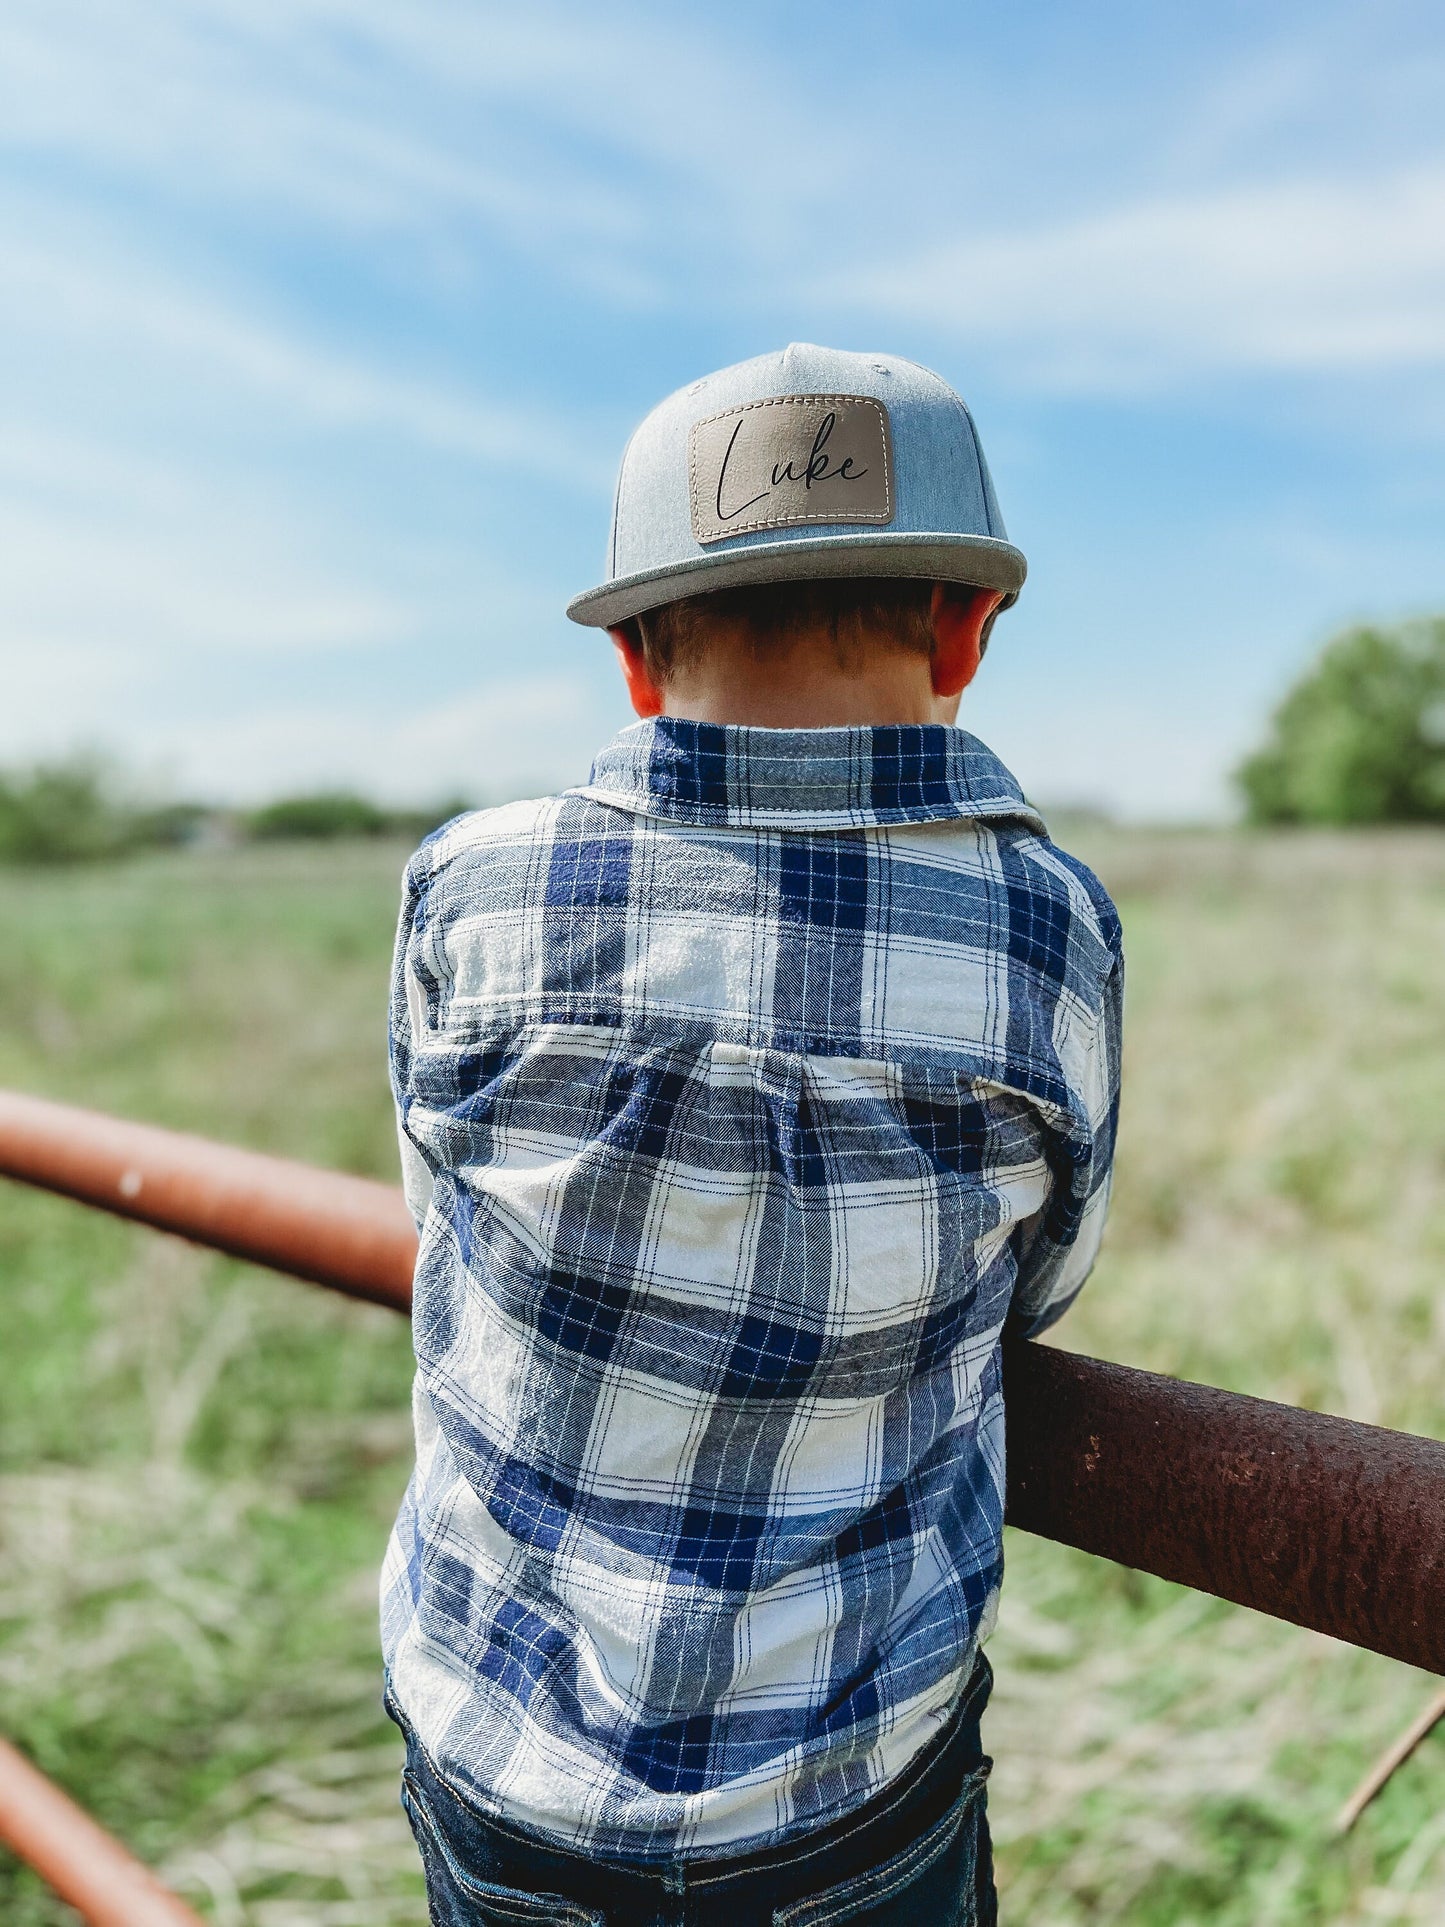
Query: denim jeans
[918, 1855]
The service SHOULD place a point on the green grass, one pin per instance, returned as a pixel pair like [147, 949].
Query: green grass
[198, 1462]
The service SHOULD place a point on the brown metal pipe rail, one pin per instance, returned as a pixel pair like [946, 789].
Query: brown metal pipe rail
[1316, 1520]
[1313, 1519]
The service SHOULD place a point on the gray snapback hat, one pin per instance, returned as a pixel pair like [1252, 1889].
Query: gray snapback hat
[813, 462]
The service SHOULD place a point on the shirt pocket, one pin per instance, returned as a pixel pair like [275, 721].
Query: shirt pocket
[553, 1139]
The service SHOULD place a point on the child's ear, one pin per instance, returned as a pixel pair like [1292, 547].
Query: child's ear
[961, 619]
[642, 692]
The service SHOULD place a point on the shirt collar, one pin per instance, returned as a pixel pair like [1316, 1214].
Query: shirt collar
[718, 773]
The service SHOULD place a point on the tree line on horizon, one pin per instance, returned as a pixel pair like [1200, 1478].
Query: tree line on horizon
[82, 810]
[1359, 739]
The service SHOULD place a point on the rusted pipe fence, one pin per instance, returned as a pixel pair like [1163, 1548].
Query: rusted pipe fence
[1317, 1520]
[323, 1226]
[1328, 1524]
[77, 1858]
[331, 1229]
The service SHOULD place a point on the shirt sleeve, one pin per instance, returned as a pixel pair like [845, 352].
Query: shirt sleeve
[408, 1018]
[1061, 1242]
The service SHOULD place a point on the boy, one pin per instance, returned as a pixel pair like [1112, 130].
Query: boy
[746, 1093]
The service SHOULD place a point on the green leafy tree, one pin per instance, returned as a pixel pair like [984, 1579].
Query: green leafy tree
[1361, 736]
[65, 813]
[324, 814]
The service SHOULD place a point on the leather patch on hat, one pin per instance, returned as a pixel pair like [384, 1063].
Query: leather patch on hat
[793, 458]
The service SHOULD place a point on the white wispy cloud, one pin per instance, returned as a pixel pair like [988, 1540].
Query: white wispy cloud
[1299, 276]
[515, 736]
[61, 276]
[303, 109]
[644, 156]
[559, 130]
[148, 591]
[125, 580]
[135, 589]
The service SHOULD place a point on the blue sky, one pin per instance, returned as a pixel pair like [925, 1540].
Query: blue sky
[322, 325]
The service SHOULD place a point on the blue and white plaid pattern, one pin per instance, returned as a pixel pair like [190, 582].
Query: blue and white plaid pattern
[744, 1093]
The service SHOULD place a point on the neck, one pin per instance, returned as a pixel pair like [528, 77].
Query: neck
[808, 689]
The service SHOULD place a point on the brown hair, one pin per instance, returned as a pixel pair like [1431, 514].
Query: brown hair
[851, 610]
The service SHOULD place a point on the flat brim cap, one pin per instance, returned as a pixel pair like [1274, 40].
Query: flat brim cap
[804, 465]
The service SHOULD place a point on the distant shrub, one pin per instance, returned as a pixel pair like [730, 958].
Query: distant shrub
[1361, 736]
[341, 813]
[67, 812]
[327, 813]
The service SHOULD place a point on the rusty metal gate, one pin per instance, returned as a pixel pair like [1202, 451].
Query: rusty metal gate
[1326, 1523]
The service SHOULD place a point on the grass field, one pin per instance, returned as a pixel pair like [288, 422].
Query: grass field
[198, 1462]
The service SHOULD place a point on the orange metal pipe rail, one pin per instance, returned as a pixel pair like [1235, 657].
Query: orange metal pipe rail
[345, 1232]
[334, 1230]
[1328, 1524]
[77, 1858]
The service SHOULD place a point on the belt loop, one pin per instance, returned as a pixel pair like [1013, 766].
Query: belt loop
[674, 1877]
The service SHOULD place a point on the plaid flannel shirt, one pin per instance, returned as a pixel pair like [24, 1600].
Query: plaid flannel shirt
[744, 1094]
